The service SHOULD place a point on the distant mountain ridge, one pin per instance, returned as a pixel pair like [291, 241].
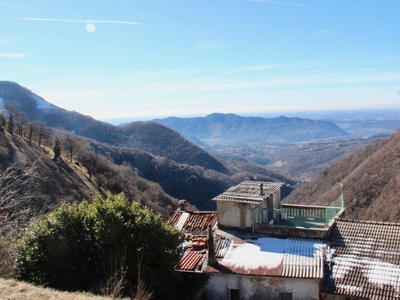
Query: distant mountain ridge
[149, 150]
[234, 129]
[148, 136]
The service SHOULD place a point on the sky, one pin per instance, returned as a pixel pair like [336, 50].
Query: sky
[144, 59]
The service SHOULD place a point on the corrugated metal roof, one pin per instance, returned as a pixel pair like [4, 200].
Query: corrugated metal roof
[266, 256]
[366, 261]
[192, 261]
[249, 192]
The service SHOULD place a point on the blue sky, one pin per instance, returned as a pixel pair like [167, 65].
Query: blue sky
[131, 59]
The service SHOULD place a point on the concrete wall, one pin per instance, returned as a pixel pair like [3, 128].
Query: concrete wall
[232, 214]
[258, 287]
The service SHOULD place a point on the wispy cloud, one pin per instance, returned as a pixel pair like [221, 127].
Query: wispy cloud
[13, 55]
[7, 40]
[279, 2]
[13, 5]
[80, 21]
[208, 45]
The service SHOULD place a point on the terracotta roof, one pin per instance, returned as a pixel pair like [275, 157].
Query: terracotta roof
[194, 222]
[266, 256]
[192, 261]
[249, 192]
[366, 261]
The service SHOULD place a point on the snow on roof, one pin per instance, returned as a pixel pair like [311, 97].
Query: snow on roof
[367, 260]
[291, 257]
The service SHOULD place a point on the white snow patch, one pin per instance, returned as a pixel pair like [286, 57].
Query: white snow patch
[378, 272]
[42, 104]
[269, 252]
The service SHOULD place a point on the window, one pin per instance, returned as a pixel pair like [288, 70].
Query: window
[234, 294]
[286, 296]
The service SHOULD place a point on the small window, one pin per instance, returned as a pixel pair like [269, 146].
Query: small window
[234, 294]
[286, 296]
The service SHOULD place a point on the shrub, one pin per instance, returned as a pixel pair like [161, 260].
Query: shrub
[77, 247]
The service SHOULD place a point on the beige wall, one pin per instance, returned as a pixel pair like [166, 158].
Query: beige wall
[232, 214]
[258, 287]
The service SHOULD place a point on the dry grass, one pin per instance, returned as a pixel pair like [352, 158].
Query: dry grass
[15, 290]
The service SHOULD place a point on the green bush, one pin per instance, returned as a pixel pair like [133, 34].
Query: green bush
[84, 246]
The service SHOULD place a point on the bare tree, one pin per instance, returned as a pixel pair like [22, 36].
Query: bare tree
[71, 145]
[11, 111]
[40, 129]
[18, 205]
[21, 119]
[3, 122]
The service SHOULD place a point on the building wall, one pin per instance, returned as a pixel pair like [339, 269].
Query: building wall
[277, 198]
[258, 287]
[231, 214]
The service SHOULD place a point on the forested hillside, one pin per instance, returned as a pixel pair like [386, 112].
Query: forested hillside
[371, 181]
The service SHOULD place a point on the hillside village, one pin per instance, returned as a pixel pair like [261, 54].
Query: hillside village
[257, 243]
[255, 247]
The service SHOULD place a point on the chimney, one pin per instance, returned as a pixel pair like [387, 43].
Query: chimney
[261, 189]
[183, 205]
[212, 260]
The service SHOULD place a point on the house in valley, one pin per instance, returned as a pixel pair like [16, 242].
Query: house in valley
[255, 247]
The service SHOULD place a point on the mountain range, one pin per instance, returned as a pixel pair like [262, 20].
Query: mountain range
[231, 129]
[140, 158]
[151, 151]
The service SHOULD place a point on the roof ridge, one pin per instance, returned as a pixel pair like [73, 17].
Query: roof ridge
[367, 222]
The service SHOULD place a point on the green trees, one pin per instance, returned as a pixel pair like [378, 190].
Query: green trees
[88, 245]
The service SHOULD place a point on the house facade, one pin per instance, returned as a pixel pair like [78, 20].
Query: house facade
[255, 247]
[237, 206]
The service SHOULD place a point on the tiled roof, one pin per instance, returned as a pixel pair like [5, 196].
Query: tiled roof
[192, 261]
[194, 222]
[249, 192]
[291, 257]
[366, 260]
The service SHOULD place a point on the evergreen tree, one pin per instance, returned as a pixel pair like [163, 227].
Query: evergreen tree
[56, 148]
[83, 246]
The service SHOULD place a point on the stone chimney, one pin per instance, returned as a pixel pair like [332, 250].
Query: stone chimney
[183, 205]
[212, 260]
[261, 189]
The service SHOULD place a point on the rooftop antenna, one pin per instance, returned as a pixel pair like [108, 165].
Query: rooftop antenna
[340, 183]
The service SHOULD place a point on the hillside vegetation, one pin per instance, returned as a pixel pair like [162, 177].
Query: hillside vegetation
[371, 181]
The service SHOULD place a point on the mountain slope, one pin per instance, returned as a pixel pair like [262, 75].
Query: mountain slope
[371, 180]
[233, 129]
[148, 136]
[120, 156]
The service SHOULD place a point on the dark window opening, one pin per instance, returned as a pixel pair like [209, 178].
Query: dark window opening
[234, 294]
[286, 296]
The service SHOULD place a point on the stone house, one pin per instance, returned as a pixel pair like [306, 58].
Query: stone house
[255, 247]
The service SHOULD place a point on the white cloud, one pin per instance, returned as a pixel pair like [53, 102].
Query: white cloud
[13, 55]
[80, 21]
